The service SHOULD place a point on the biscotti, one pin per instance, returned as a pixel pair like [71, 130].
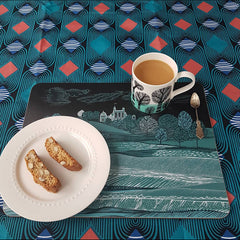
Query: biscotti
[56, 151]
[40, 173]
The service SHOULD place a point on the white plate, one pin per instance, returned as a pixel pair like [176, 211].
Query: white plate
[79, 189]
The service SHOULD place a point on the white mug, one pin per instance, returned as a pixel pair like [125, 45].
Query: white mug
[155, 98]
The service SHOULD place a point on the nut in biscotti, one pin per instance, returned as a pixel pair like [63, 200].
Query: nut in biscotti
[56, 151]
[41, 175]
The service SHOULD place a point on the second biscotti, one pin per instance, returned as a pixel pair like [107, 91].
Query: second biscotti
[57, 152]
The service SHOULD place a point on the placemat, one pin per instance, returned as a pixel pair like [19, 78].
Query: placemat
[159, 168]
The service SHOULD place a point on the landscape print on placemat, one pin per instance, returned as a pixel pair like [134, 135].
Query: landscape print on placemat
[159, 168]
[158, 165]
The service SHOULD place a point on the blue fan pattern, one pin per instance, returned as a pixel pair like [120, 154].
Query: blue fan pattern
[97, 41]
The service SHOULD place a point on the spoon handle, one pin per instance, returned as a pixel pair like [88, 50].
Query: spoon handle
[197, 119]
[199, 130]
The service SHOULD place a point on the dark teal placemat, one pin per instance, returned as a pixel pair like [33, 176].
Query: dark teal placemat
[159, 168]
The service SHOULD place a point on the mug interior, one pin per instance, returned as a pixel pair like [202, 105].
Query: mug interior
[155, 56]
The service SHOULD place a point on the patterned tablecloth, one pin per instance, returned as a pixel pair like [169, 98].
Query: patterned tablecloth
[97, 41]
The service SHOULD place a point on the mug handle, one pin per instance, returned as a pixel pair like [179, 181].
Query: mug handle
[188, 86]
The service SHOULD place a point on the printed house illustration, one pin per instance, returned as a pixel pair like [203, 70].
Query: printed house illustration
[114, 116]
[103, 117]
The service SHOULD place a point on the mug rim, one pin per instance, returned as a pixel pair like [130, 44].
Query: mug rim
[155, 53]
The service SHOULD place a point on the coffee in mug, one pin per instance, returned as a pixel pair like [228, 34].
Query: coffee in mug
[153, 78]
[154, 72]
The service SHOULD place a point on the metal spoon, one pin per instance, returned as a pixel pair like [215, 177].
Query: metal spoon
[195, 103]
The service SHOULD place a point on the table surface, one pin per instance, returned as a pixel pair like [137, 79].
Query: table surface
[92, 41]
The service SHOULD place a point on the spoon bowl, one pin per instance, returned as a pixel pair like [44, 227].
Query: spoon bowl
[195, 100]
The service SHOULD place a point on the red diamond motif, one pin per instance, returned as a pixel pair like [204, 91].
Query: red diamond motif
[213, 121]
[101, 8]
[68, 68]
[235, 23]
[183, 24]
[128, 25]
[3, 9]
[127, 66]
[90, 234]
[158, 43]
[42, 45]
[205, 7]
[8, 69]
[230, 197]
[74, 26]
[20, 27]
[192, 66]
[232, 92]
[1, 123]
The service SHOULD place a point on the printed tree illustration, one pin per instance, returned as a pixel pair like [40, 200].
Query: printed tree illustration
[160, 95]
[182, 131]
[179, 129]
[136, 86]
[161, 135]
[192, 131]
[89, 115]
[142, 98]
[148, 125]
[128, 123]
[184, 120]
[180, 135]
[169, 123]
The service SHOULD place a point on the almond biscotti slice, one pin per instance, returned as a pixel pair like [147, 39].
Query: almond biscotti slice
[56, 151]
[40, 173]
